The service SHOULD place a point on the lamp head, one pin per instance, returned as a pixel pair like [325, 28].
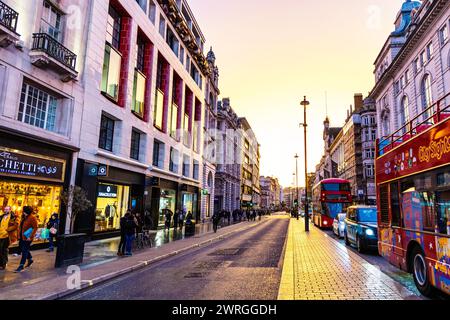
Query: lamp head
[304, 102]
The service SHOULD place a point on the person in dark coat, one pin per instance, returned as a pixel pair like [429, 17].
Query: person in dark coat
[52, 226]
[121, 250]
[176, 218]
[168, 216]
[130, 225]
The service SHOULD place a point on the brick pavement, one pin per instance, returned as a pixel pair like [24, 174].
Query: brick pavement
[317, 267]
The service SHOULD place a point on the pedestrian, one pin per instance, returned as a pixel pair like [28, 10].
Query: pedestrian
[130, 233]
[148, 221]
[216, 220]
[168, 216]
[181, 219]
[260, 214]
[176, 218]
[229, 217]
[247, 214]
[52, 226]
[8, 224]
[121, 249]
[27, 232]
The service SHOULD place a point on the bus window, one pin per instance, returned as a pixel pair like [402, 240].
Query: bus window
[395, 205]
[335, 187]
[443, 211]
[428, 211]
[384, 204]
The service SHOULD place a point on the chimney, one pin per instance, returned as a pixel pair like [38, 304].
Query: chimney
[359, 102]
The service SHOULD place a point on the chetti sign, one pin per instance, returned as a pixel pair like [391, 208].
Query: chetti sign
[16, 163]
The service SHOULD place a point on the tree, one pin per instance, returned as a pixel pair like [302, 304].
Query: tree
[76, 201]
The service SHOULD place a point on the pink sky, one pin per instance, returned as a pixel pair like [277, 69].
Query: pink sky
[271, 53]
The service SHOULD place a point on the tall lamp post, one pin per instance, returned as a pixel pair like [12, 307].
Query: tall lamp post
[305, 103]
[296, 185]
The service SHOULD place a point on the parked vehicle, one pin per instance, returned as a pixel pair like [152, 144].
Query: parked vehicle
[339, 225]
[361, 228]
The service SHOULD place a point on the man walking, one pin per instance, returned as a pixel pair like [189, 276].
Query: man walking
[8, 224]
[27, 231]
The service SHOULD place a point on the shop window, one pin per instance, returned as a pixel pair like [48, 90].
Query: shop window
[135, 144]
[40, 108]
[51, 22]
[112, 204]
[158, 154]
[106, 133]
[167, 201]
[45, 199]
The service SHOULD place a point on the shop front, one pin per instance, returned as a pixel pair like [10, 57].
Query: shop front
[33, 174]
[190, 197]
[162, 195]
[113, 192]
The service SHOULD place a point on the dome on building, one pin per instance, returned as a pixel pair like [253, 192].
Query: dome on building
[405, 16]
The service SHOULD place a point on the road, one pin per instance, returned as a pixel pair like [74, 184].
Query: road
[246, 266]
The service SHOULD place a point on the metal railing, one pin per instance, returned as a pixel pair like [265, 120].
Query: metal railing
[44, 42]
[8, 17]
[432, 115]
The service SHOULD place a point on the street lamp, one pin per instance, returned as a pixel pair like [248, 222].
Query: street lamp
[296, 189]
[305, 103]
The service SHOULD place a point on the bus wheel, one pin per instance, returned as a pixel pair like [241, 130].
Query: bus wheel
[420, 274]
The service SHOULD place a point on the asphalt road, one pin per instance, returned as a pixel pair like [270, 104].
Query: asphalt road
[246, 266]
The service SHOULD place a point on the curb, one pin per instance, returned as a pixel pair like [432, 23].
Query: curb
[104, 278]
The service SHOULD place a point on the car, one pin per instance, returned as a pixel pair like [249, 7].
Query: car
[361, 228]
[339, 225]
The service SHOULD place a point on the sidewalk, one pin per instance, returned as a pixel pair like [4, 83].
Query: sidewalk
[317, 267]
[101, 263]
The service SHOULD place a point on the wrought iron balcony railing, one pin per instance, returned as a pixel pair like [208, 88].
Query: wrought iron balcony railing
[44, 42]
[8, 17]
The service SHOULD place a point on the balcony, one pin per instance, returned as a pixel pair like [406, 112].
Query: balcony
[8, 25]
[46, 52]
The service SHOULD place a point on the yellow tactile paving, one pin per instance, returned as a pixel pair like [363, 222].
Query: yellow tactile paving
[317, 267]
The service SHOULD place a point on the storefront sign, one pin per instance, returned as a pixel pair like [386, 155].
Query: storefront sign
[107, 191]
[98, 170]
[16, 163]
[425, 152]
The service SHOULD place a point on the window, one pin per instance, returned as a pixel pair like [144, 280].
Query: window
[430, 51]
[395, 205]
[142, 4]
[152, 12]
[417, 65]
[111, 72]
[173, 121]
[182, 55]
[51, 22]
[443, 34]
[172, 41]
[427, 99]
[370, 171]
[174, 159]
[162, 26]
[106, 133]
[374, 135]
[404, 112]
[384, 204]
[186, 136]
[186, 165]
[423, 58]
[158, 154]
[195, 74]
[188, 63]
[407, 76]
[38, 108]
[196, 170]
[112, 59]
[138, 94]
[158, 112]
[135, 144]
[113, 28]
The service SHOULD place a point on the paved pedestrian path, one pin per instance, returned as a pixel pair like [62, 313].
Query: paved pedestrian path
[317, 267]
[42, 281]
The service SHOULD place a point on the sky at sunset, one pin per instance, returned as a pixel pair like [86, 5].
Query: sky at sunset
[271, 53]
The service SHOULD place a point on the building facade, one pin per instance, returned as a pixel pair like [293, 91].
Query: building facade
[270, 193]
[228, 159]
[42, 53]
[412, 71]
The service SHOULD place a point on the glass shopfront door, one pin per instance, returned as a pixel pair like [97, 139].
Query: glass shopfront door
[167, 201]
[112, 204]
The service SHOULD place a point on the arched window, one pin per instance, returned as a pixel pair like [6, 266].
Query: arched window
[427, 97]
[404, 112]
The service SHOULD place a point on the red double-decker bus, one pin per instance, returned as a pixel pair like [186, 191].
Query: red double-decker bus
[413, 195]
[330, 197]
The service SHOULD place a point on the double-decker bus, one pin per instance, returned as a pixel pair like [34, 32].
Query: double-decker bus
[413, 195]
[330, 197]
